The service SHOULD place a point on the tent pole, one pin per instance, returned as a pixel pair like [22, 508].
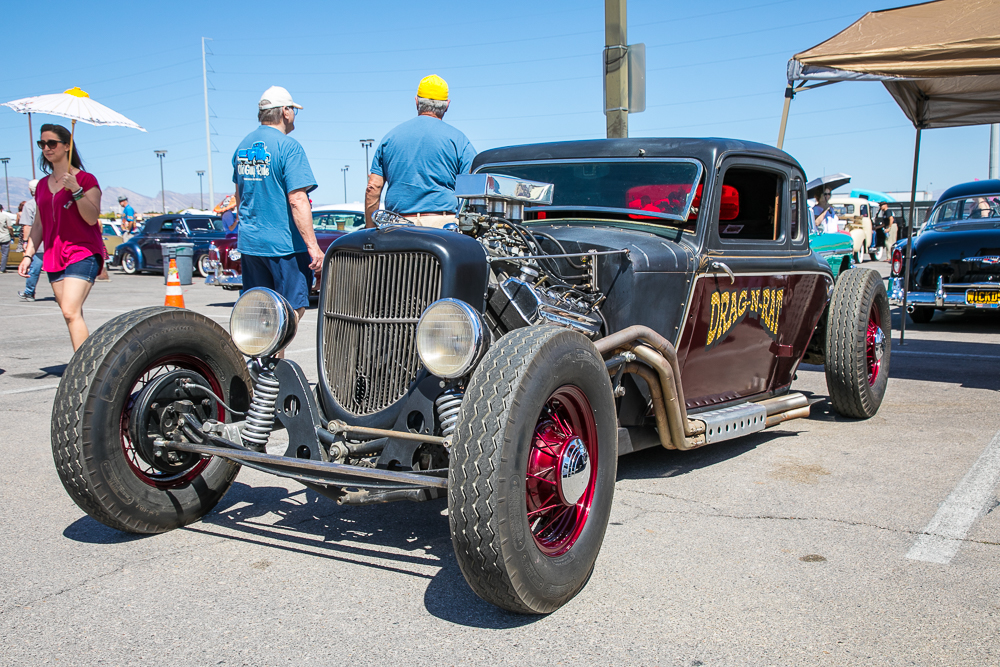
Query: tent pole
[789, 93]
[909, 238]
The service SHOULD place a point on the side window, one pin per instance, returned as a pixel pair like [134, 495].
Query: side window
[167, 226]
[796, 195]
[864, 210]
[751, 206]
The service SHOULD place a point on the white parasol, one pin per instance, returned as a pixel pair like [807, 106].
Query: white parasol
[74, 104]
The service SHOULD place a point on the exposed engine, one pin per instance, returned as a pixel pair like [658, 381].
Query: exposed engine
[533, 278]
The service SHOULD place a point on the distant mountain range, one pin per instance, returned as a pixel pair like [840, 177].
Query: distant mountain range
[109, 201]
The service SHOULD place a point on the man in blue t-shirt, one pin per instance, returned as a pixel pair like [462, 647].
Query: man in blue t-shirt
[128, 217]
[273, 179]
[419, 161]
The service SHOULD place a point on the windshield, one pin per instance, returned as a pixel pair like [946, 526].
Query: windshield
[204, 224]
[967, 208]
[664, 190]
[332, 221]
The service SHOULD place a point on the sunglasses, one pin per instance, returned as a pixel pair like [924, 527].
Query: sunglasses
[50, 144]
[295, 110]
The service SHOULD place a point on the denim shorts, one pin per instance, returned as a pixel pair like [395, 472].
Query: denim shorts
[86, 269]
[289, 276]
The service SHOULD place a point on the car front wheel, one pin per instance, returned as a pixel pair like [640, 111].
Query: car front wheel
[858, 344]
[105, 418]
[130, 264]
[532, 469]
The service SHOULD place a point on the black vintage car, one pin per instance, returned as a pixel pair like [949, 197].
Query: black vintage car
[143, 252]
[594, 298]
[955, 263]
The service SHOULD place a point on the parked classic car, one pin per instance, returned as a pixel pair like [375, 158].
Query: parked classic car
[594, 298]
[329, 222]
[142, 252]
[955, 264]
[112, 235]
[856, 215]
[837, 249]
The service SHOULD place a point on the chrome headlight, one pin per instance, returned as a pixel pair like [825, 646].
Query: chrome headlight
[451, 338]
[262, 322]
[234, 254]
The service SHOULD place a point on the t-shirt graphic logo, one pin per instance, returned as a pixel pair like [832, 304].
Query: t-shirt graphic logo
[254, 161]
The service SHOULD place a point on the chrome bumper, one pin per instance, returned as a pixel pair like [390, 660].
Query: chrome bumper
[228, 278]
[939, 298]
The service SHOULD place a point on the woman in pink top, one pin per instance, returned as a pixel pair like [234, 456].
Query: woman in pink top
[69, 201]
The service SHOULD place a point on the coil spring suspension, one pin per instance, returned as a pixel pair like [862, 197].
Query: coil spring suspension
[447, 405]
[260, 416]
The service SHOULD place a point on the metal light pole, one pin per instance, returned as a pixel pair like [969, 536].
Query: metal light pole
[5, 160]
[200, 190]
[367, 143]
[346, 167]
[163, 193]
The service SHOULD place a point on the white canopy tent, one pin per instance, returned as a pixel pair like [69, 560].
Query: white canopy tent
[939, 60]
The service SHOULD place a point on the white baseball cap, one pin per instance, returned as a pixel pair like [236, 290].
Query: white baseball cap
[32, 184]
[276, 97]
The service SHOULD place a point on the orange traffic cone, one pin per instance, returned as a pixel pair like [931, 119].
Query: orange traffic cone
[175, 297]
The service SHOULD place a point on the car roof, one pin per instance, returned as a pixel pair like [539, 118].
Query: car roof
[173, 216]
[707, 150]
[353, 207]
[971, 189]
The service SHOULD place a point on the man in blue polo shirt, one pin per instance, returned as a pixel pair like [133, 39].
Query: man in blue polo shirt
[273, 179]
[419, 161]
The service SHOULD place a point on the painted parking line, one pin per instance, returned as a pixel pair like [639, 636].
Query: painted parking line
[951, 355]
[944, 534]
[25, 391]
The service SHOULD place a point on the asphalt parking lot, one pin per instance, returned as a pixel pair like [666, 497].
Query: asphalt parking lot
[822, 541]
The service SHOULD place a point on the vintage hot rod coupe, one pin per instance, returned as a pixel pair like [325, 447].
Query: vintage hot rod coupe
[594, 298]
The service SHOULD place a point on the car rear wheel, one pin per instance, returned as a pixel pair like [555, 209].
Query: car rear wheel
[105, 409]
[532, 469]
[922, 314]
[203, 265]
[878, 255]
[858, 344]
[130, 264]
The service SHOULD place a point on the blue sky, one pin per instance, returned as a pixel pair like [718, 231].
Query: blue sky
[519, 72]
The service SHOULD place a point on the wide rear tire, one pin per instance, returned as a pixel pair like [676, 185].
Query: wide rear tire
[532, 469]
[103, 471]
[858, 344]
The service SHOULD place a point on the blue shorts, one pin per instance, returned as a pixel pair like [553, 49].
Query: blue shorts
[288, 275]
[86, 269]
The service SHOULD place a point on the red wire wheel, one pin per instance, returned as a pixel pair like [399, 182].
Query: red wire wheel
[142, 469]
[874, 344]
[562, 471]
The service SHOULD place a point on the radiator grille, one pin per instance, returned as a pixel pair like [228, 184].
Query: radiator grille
[371, 309]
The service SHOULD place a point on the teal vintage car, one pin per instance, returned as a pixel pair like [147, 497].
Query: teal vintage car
[836, 248]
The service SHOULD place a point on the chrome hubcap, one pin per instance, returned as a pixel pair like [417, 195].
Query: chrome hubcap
[878, 347]
[574, 471]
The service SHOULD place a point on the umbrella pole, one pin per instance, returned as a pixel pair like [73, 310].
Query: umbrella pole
[72, 133]
[31, 145]
[909, 239]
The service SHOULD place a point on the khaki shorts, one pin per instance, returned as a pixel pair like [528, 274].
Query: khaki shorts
[431, 219]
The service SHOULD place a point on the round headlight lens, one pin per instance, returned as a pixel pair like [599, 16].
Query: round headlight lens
[262, 322]
[450, 338]
[235, 254]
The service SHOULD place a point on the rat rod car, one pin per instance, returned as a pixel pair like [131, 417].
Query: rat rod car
[955, 263]
[594, 298]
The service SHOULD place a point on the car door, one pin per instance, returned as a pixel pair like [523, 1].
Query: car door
[153, 250]
[758, 291]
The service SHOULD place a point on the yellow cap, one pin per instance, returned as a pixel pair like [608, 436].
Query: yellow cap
[433, 87]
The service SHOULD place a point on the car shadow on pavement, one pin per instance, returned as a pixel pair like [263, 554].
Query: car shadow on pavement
[449, 598]
[228, 304]
[43, 373]
[657, 462]
[90, 531]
